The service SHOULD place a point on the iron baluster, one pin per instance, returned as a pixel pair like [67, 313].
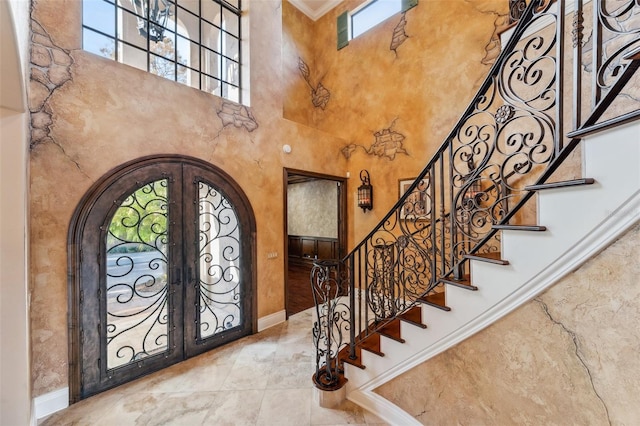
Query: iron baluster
[596, 90]
[577, 33]
[352, 311]
[433, 215]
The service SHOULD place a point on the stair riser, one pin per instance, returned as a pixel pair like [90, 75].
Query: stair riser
[617, 169]
[531, 252]
[571, 213]
[399, 350]
[416, 339]
[471, 304]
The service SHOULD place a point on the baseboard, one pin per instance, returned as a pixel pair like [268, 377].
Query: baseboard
[33, 421]
[271, 320]
[51, 402]
[382, 408]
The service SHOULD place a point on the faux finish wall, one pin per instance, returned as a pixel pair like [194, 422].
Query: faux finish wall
[393, 93]
[90, 114]
[570, 356]
[386, 112]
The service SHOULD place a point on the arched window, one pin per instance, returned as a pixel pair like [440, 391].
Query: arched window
[194, 42]
[161, 255]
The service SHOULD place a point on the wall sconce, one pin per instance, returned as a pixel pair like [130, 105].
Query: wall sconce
[365, 192]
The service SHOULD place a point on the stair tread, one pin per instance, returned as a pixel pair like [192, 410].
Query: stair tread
[493, 257]
[413, 316]
[436, 300]
[465, 282]
[521, 227]
[560, 184]
[392, 330]
[372, 344]
[343, 355]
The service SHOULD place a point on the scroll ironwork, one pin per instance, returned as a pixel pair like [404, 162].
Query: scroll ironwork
[219, 263]
[331, 325]
[509, 137]
[137, 291]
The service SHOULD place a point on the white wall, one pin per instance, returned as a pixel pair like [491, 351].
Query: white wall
[15, 395]
[15, 382]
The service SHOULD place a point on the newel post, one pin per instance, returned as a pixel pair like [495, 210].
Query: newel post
[332, 316]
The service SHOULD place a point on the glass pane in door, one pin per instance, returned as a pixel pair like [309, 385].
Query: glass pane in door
[218, 263]
[136, 281]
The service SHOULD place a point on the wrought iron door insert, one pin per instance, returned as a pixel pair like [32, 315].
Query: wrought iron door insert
[161, 257]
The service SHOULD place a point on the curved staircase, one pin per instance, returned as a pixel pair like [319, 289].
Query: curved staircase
[450, 258]
[578, 219]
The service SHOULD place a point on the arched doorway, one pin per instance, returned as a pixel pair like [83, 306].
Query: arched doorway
[161, 267]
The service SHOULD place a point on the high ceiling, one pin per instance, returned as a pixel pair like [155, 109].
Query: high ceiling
[314, 9]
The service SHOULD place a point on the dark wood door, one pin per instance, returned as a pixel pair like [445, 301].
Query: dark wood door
[218, 278]
[165, 271]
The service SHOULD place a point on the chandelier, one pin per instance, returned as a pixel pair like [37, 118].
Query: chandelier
[154, 14]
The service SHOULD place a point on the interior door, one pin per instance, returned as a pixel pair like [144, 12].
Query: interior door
[165, 271]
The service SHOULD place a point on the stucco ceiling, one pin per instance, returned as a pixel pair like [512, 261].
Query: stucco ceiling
[314, 9]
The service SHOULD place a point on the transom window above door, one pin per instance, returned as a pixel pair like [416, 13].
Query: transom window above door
[193, 42]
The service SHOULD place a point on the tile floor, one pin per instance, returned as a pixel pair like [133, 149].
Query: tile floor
[264, 379]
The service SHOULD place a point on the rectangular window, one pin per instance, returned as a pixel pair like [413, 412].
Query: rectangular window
[369, 14]
[193, 42]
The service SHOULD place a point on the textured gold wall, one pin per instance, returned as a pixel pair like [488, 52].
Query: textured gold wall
[570, 356]
[97, 114]
[392, 107]
[90, 115]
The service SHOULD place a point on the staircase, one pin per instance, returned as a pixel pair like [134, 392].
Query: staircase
[580, 218]
[419, 284]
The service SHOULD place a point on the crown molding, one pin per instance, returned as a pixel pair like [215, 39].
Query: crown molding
[315, 14]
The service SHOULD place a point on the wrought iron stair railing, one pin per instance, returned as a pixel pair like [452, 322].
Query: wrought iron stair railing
[510, 137]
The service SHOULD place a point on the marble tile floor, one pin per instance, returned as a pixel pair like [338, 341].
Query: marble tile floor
[264, 379]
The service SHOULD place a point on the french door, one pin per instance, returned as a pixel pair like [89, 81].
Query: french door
[162, 255]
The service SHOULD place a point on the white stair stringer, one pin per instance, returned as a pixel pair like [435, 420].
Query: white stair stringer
[581, 221]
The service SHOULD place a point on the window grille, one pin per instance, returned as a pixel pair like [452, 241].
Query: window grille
[193, 42]
[366, 16]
